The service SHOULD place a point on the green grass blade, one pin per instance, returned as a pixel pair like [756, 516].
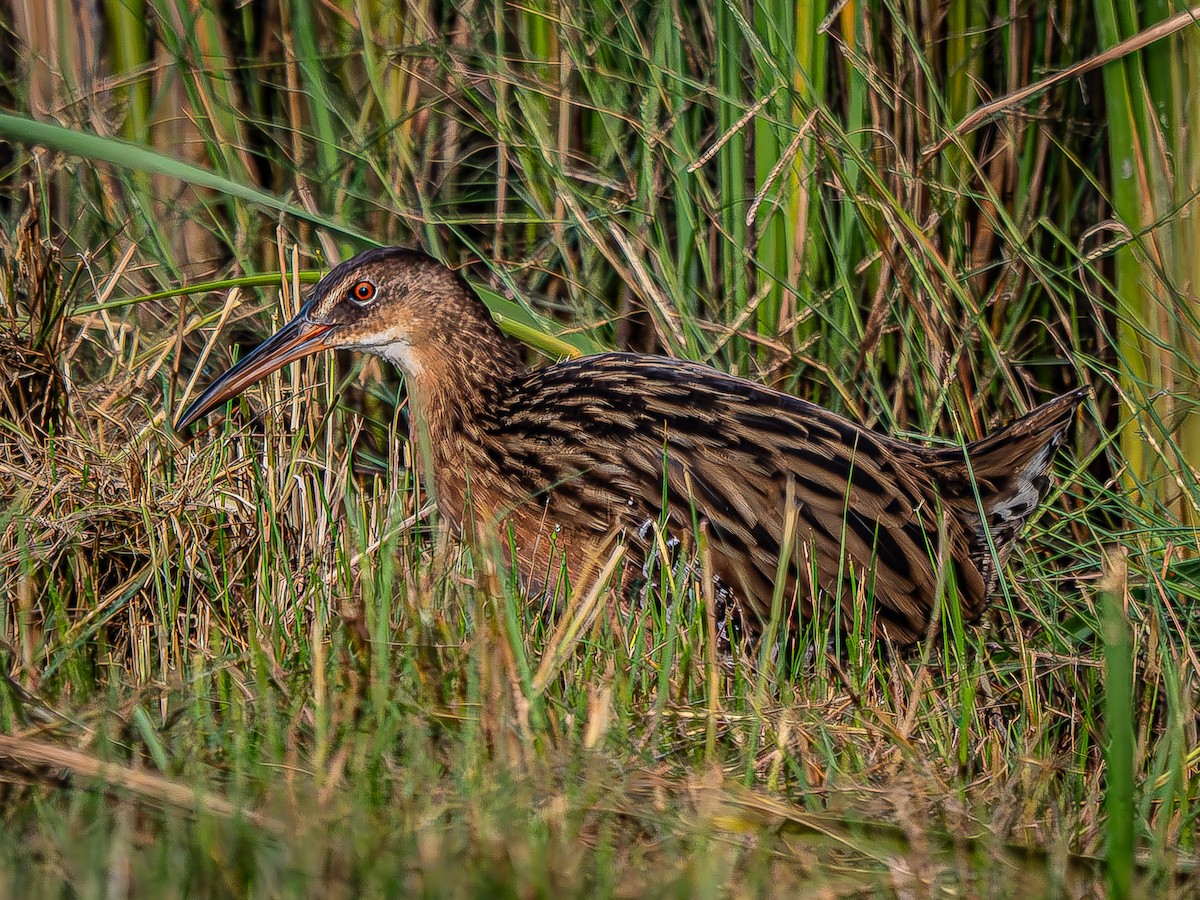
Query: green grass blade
[134, 158]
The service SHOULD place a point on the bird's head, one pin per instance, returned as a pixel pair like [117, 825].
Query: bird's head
[395, 303]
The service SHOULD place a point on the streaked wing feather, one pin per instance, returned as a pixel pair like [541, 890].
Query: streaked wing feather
[667, 422]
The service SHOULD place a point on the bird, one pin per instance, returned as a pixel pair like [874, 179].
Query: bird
[555, 466]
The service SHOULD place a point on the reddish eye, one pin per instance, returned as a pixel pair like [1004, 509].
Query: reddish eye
[363, 291]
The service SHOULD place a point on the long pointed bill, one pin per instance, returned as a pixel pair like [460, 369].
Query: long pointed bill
[295, 340]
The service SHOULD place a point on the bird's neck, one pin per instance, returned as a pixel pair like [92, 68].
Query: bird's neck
[455, 391]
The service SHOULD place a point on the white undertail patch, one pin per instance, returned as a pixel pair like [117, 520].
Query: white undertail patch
[1018, 503]
[1007, 511]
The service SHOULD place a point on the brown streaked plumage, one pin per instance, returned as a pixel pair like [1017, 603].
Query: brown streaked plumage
[564, 460]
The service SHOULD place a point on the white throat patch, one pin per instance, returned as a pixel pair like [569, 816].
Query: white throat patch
[400, 354]
[394, 346]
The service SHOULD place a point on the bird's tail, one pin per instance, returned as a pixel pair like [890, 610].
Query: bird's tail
[1007, 479]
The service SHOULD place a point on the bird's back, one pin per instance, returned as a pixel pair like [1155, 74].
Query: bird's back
[622, 442]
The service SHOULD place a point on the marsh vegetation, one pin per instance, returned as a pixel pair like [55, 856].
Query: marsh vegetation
[250, 661]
